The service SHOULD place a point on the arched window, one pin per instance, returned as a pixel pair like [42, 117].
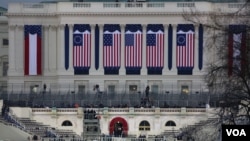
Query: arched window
[67, 123]
[144, 126]
[170, 123]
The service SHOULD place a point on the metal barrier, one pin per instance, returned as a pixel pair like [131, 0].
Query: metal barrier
[109, 138]
[64, 100]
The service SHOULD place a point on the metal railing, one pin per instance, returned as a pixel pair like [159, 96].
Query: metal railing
[119, 88]
[69, 100]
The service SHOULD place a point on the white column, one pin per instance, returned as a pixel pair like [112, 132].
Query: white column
[12, 56]
[52, 49]
[100, 69]
[196, 49]
[71, 69]
[144, 44]
[46, 50]
[60, 50]
[122, 68]
[92, 70]
[174, 68]
[19, 48]
[165, 67]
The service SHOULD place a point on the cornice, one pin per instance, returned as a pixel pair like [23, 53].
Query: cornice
[99, 14]
[118, 14]
[31, 14]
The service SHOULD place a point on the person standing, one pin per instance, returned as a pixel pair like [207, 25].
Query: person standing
[147, 92]
[44, 87]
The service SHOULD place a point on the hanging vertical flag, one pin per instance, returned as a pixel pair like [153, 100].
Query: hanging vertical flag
[33, 49]
[133, 48]
[81, 48]
[185, 48]
[111, 48]
[66, 45]
[170, 46]
[237, 47]
[200, 46]
[155, 48]
[97, 47]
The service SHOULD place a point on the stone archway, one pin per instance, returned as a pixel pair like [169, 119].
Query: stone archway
[67, 123]
[113, 123]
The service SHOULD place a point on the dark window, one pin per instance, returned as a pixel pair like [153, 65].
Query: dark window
[170, 123]
[111, 89]
[144, 126]
[5, 42]
[66, 123]
[132, 88]
[5, 68]
[81, 89]
[155, 89]
[184, 89]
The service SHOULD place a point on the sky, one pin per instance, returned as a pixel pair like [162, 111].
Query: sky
[4, 3]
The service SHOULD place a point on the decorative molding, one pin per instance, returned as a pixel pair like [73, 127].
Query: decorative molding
[144, 26]
[105, 14]
[71, 26]
[61, 26]
[20, 27]
[53, 27]
[12, 27]
[92, 26]
[31, 14]
[46, 27]
[122, 25]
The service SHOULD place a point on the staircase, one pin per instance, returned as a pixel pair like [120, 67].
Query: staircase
[43, 131]
[91, 125]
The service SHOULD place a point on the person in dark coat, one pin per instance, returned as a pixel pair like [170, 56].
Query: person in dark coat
[147, 91]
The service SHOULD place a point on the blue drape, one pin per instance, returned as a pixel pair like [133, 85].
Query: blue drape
[97, 46]
[170, 46]
[200, 47]
[66, 46]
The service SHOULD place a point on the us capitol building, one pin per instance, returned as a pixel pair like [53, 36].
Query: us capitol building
[100, 55]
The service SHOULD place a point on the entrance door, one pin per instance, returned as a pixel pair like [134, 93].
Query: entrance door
[118, 125]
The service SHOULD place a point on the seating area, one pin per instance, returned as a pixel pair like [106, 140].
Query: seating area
[34, 127]
[39, 129]
[65, 134]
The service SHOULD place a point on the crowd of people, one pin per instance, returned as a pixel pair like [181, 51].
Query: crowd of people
[5, 110]
[90, 114]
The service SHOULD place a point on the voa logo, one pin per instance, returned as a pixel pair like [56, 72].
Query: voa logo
[236, 132]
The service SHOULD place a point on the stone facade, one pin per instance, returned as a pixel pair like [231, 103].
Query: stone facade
[156, 117]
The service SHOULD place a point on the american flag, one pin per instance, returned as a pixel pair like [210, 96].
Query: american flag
[82, 48]
[237, 47]
[133, 49]
[111, 48]
[237, 56]
[185, 49]
[155, 48]
[33, 50]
